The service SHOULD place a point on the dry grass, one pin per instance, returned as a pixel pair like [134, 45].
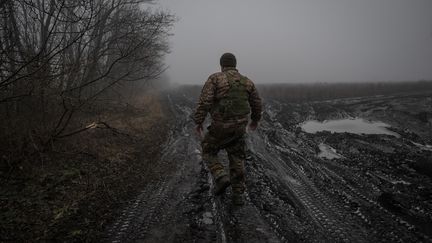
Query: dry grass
[71, 192]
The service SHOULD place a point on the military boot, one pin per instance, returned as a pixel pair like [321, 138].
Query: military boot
[237, 199]
[221, 184]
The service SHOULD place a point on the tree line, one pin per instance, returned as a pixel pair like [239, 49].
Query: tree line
[59, 57]
[328, 91]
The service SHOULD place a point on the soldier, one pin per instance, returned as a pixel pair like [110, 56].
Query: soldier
[229, 97]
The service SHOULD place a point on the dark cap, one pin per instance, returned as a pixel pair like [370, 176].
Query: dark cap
[228, 60]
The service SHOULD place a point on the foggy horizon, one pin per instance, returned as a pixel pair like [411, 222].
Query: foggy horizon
[298, 42]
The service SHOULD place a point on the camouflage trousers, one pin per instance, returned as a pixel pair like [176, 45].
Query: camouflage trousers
[232, 140]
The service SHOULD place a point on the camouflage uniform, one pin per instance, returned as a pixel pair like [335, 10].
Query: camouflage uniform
[228, 134]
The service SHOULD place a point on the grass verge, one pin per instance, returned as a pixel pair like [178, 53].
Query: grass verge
[71, 192]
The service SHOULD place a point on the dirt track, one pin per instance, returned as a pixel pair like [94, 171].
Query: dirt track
[293, 196]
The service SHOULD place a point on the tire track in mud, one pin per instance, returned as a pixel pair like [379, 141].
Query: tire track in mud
[242, 223]
[372, 222]
[387, 226]
[156, 206]
[233, 224]
[327, 215]
[383, 225]
[185, 197]
[148, 210]
[304, 196]
[283, 203]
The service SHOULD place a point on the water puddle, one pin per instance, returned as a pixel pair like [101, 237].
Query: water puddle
[357, 126]
[328, 152]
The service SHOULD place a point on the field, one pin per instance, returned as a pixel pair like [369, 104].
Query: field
[377, 190]
[140, 177]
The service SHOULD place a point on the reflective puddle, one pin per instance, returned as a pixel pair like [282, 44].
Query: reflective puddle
[328, 152]
[358, 126]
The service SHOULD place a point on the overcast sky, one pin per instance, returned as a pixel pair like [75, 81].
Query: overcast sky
[302, 40]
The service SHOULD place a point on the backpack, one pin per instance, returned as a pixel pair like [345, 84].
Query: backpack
[236, 102]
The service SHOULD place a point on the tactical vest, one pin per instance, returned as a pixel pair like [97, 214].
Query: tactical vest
[235, 103]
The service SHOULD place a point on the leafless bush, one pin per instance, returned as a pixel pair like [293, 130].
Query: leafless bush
[58, 57]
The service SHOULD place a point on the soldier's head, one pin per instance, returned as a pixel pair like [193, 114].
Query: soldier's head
[228, 60]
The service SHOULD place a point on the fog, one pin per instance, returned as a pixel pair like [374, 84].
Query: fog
[296, 41]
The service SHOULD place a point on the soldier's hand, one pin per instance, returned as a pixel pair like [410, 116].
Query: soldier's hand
[253, 126]
[199, 130]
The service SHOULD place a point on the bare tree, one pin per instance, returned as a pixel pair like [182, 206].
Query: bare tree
[59, 56]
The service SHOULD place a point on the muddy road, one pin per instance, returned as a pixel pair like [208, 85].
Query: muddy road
[371, 192]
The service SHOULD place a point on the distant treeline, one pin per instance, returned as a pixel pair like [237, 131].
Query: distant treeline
[326, 91]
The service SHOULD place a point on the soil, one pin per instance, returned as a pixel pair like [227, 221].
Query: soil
[69, 192]
[152, 185]
[375, 191]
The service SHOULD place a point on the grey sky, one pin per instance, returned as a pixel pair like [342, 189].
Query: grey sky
[302, 40]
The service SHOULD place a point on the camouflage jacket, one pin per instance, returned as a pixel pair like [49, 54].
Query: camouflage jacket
[217, 87]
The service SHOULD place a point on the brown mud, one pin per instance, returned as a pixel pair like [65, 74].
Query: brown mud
[144, 180]
[376, 191]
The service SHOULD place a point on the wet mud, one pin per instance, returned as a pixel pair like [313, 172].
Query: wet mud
[377, 190]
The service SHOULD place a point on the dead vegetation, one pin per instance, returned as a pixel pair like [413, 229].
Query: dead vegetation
[64, 60]
[77, 131]
[71, 191]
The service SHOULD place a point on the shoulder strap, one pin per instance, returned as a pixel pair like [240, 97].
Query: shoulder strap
[242, 79]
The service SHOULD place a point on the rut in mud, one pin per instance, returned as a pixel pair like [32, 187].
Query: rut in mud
[292, 195]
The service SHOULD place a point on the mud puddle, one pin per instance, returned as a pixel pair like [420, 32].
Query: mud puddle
[357, 126]
[293, 195]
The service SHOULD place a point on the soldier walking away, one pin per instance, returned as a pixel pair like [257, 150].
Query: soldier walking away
[230, 98]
